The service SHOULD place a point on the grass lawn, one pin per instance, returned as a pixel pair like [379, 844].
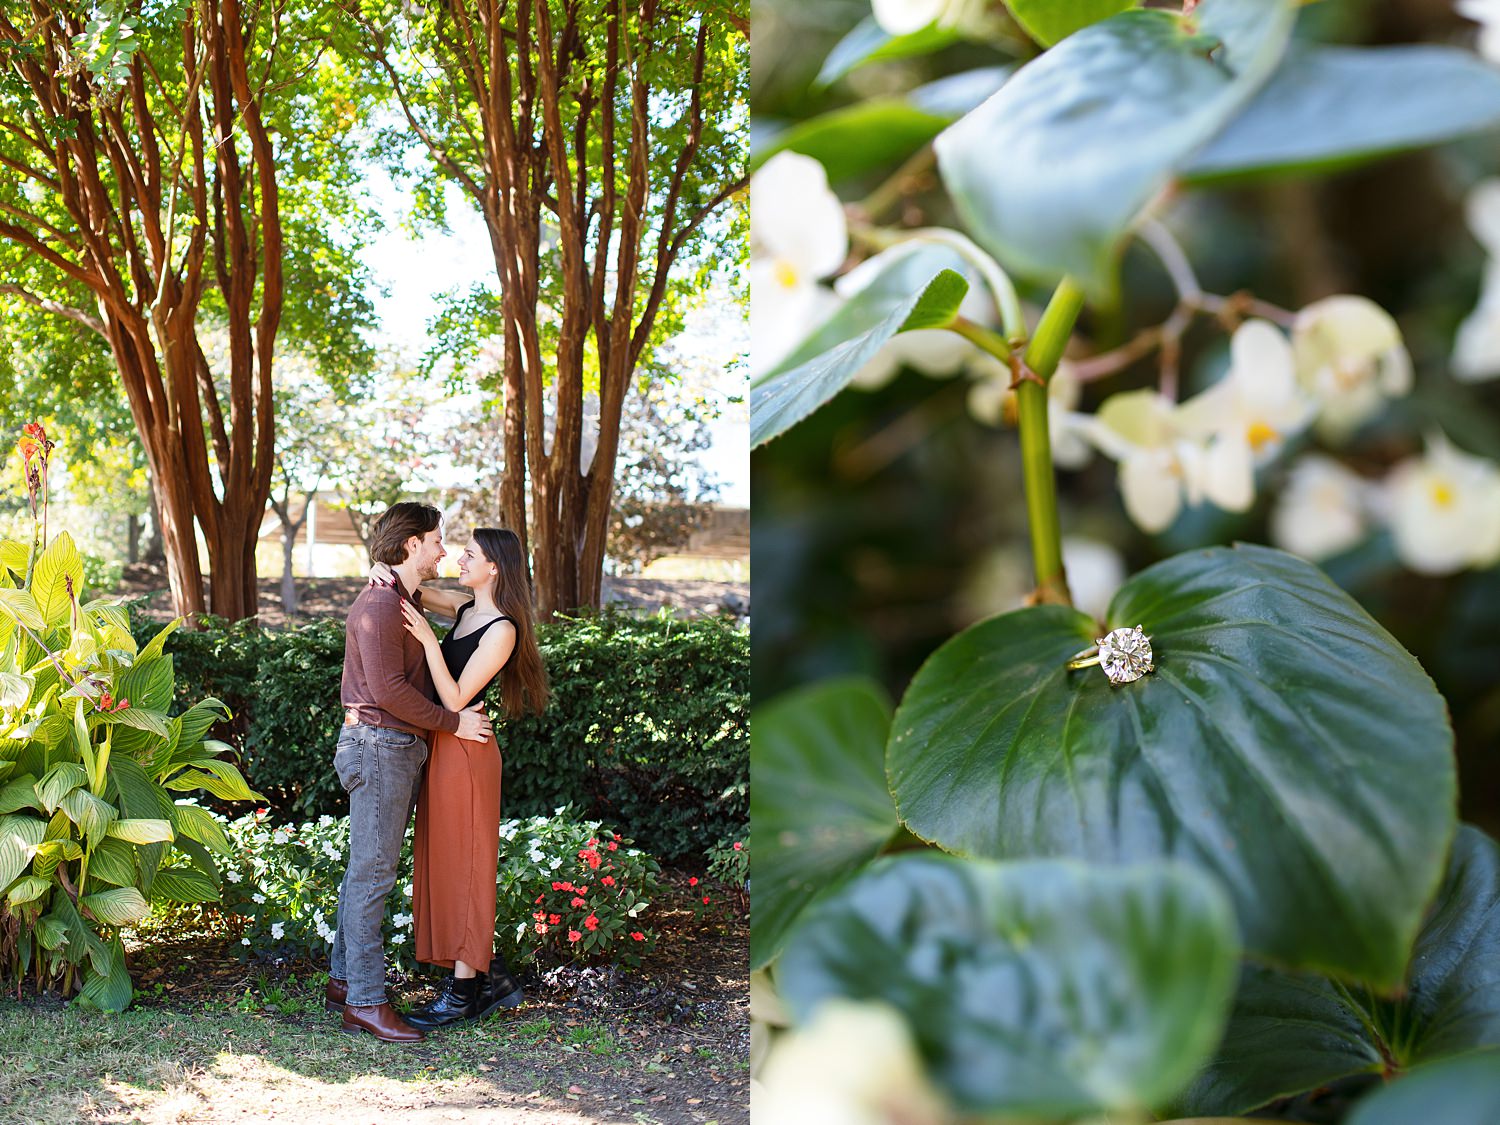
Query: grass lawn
[209, 1039]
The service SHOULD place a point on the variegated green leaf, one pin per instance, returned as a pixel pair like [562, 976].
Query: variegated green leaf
[141, 831]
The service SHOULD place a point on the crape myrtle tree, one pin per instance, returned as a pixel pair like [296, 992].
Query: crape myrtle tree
[601, 141]
[168, 170]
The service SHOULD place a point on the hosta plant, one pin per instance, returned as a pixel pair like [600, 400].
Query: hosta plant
[90, 763]
[1238, 877]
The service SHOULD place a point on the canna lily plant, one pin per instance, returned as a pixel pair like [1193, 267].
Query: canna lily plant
[90, 761]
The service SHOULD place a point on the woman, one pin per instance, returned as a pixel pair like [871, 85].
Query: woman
[458, 811]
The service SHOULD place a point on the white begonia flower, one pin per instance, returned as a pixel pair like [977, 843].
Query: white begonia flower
[1095, 571]
[1350, 358]
[853, 1064]
[1476, 347]
[258, 898]
[1322, 511]
[902, 17]
[798, 235]
[1486, 13]
[1444, 509]
[993, 402]
[1162, 465]
[1257, 404]
[278, 931]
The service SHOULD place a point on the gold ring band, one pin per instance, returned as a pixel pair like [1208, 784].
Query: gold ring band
[1085, 659]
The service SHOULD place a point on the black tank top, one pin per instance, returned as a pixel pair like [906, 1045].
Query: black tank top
[457, 650]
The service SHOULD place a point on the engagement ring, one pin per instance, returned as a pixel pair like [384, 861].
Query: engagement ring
[1124, 654]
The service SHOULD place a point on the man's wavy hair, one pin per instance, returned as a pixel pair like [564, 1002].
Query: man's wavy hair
[396, 525]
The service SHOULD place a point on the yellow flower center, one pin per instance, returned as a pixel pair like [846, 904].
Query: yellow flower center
[1260, 434]
[1443, 494]
[786, 274]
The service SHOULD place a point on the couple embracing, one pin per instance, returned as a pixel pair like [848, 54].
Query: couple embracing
[409, 702]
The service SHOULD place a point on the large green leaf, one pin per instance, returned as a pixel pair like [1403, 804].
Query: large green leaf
[222, 779]
[19, 605]
[15, 854]
[183, 884]
[1462, 1091]
[1050, 173]
[854, 140]
[1286, 743]
[141, 718]
[27, 890]
[61, 780]
[118, 906]
[1049, 21]
[113, 861]
[895, 274]
[141, 831]
[782, 398]
[20, 793]
[870, 43]
[1291, 1033]
[109, 991]
[57, 579]
[92, 814]
[199, 824]
[15, 691]
[1335, 105]
[147, 683]
[1041, 988]
[819, 808]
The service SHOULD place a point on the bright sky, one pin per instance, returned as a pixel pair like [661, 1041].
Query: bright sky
[414, 271]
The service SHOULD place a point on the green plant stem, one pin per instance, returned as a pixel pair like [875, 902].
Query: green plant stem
[1042, 356]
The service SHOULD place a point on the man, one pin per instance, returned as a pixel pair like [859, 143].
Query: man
[388, 709]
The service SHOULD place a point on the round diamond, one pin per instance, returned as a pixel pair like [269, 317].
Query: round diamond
[1125, 655]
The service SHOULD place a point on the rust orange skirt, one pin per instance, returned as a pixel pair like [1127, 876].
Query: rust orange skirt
[456, 850]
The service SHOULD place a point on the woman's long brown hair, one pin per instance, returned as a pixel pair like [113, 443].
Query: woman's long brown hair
[523, 680]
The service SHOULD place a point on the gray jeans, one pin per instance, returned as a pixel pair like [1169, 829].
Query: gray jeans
[381, 769]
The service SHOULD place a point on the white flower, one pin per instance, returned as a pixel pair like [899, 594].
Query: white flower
[1444, 509]
[278, 931]
[992, 401]
[258, 898]
[1257, 405]
[401, 921]
[1350, 359]
[902, 17]
[244, 941]
[1095, 571]
[536, 855]
[1486, 13]
[1476, 348]
[798, 235]
[325, 821]
[1321, 512]
[330, 851]
[1161, 465]
[406, 890]
[932, 351]
[555, 864]
[854, 1063]
[398, 939]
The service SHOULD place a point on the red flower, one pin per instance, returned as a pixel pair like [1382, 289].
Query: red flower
[580, 890]
[705, 900]
[541, 929]
[540, 915]
[580, 902]
[120, 706]
[693, 882]
[554, 918]
[738, 846]
[591, 922]
[613, 846]
[557, 886]
[593, 842]
[540, 897]
[608, 880]
[593, 860]
[638, 935]
[574, 935]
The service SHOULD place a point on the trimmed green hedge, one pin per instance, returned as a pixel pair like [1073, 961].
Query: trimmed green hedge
[648, 727]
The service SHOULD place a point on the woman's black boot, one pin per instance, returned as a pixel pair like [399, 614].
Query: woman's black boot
[499, 989]
[457, 1001]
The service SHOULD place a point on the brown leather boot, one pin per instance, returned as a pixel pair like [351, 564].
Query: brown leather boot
[381, 1021]
[335, 994]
